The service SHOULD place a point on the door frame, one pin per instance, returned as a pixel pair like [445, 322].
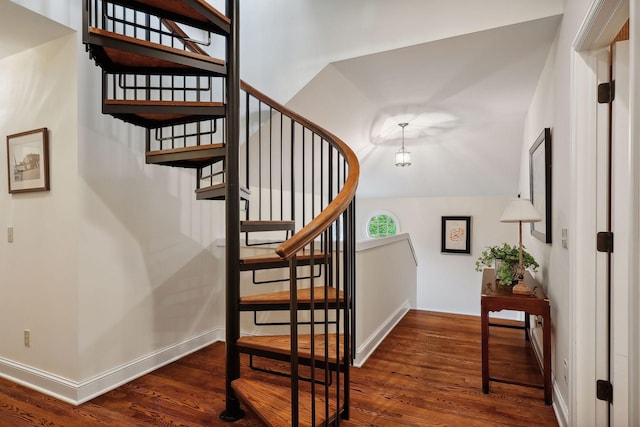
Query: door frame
[600, 26]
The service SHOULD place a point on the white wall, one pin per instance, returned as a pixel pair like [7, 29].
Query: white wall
[114, 270]
[39, 271]
[550, 108]
[149, 275]
[386, 275]
[446, 282]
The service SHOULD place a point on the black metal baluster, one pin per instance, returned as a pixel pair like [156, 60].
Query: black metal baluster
[259, 160]
[303, 174]
[312, 331]
[247, 163]
[293, 317]
[293, 185]
[282, 168]
[271, 163]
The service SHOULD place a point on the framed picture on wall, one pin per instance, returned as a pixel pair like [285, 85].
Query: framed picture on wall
[456, 234]
[540, 184]
[28, 161]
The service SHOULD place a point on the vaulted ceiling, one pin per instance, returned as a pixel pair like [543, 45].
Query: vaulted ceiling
[21, 29]
[461, 73]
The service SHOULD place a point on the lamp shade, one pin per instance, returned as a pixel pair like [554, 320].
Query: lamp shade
[403, 158]
[520, 210]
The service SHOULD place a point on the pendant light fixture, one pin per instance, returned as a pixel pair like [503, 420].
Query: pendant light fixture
[403, 157]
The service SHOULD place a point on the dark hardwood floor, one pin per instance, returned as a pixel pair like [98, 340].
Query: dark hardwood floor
[427, 372]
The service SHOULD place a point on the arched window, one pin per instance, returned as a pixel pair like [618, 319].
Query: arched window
[382, 224]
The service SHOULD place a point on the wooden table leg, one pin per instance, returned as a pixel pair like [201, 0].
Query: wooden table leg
[485, 347]
[546, 354]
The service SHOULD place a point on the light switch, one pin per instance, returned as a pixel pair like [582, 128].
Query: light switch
[10, 234]
[564, 238]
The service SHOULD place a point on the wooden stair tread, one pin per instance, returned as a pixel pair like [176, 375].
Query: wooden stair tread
[270, 258]
[273, 260]
[111, 35]
[272, 403]
[254, 225]
[281, 345]
[217, 192]
[187, 157]
[196, 11]
[130, 52]
[153, 114]
[185, 149]
[304, 296]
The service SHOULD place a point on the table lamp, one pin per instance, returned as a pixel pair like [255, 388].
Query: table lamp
[520, 210]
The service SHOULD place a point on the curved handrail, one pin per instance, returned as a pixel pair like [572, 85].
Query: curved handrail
[342, 200]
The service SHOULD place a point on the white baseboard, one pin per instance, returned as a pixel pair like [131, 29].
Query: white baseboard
[559, 404]
[560, 407]
[77, 392]
[370, 344]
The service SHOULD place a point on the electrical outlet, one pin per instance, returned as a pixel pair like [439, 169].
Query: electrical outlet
[566, 371]
[10, 234]
[27, 338]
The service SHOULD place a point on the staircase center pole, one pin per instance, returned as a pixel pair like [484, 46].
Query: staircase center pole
[232, 410]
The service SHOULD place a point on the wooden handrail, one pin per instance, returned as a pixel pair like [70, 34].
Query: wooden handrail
[321, 222]
[183, 37]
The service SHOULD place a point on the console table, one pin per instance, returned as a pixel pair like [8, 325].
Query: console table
[495, 297]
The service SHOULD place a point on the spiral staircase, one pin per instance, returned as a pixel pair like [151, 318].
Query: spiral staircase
[171, 67]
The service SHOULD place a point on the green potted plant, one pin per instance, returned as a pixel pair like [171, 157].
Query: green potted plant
[505, 261]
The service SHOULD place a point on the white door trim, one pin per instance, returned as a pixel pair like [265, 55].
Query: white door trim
[603, 20]
[583, 411]
[634, 138]
[622, 276]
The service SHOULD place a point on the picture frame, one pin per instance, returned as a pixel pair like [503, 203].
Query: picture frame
[456, 235]
[28, 161]
[540, 184]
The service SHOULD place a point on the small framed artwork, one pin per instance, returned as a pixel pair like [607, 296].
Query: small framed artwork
[456, 234]
[540, 184]
[28, 161]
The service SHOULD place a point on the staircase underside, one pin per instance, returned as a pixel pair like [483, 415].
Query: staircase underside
[117, 53]
[272, 403]
[187, 157]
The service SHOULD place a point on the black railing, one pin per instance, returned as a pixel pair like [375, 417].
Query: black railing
[295, 172]
[125, 18]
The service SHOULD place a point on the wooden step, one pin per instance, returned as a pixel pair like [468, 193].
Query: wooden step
[278, 347]
[155, 114]
[196, 13]
[187, 157]
[272, 260]
[117, 53]
[251, 225]
[218, 191]
[272, 403]
[280, 300]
